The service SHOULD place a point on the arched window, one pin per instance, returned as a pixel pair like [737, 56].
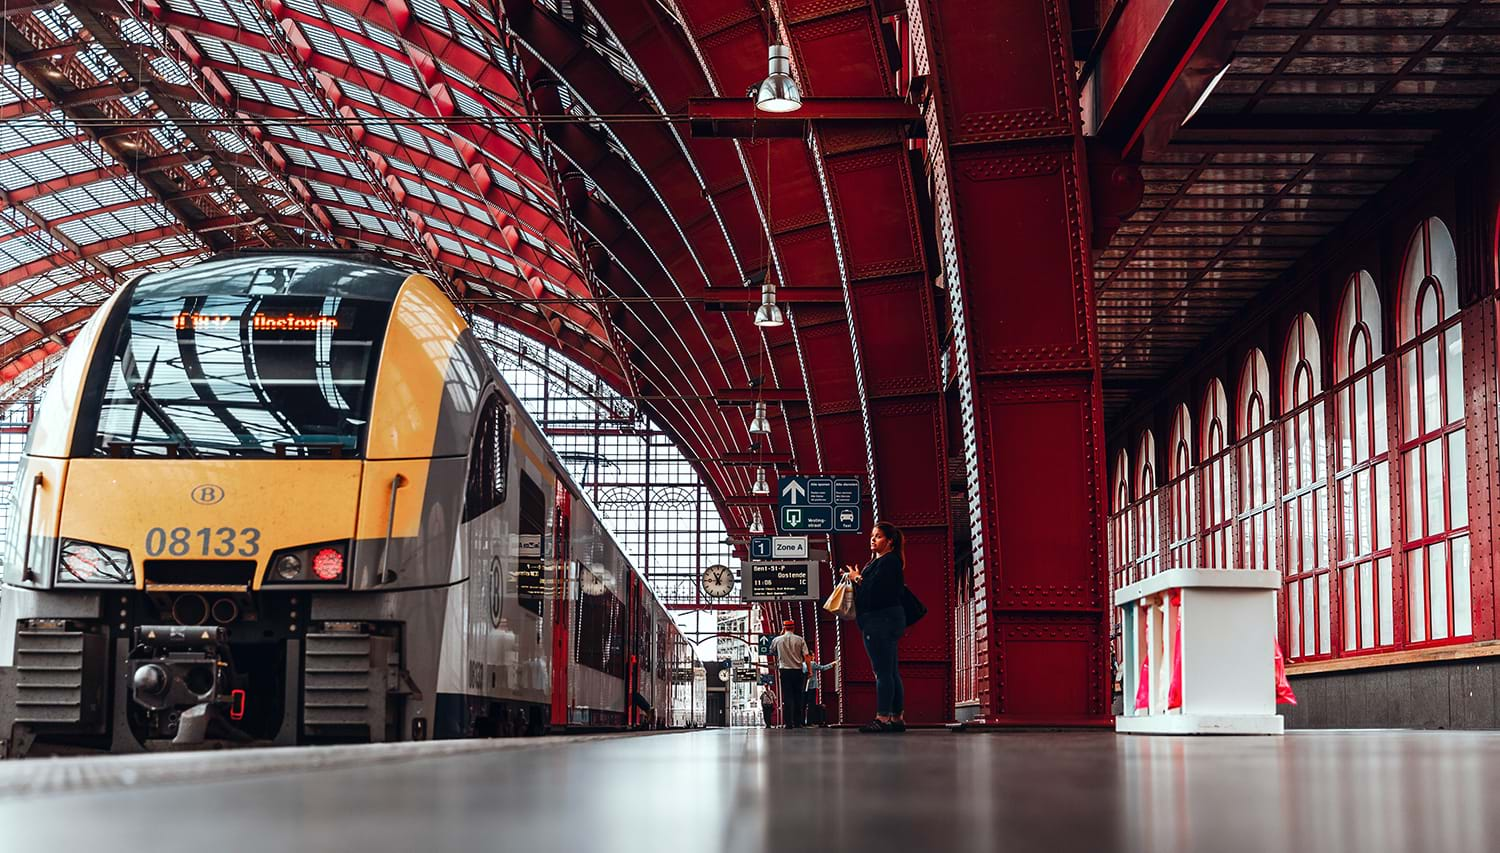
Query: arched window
[1363, 472]
[1147, 510]
[1218, 512]
[1256, 456]
[1183, 493]
[1304, 494]
[1436, 505]
[1120, 542]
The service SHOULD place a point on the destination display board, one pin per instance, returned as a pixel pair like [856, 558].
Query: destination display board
[779, 581]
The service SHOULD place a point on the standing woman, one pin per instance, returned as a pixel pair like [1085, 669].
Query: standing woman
[882, 621]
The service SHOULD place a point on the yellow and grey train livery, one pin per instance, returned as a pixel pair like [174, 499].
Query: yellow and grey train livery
[286, 498]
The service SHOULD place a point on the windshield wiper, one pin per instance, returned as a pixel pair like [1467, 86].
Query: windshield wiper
[141, 393]
[331, 446]
[118, 448]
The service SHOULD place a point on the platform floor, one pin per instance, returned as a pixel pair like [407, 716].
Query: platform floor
[751, 790]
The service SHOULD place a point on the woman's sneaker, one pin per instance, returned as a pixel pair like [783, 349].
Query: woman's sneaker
[875, 727]
[897, 726]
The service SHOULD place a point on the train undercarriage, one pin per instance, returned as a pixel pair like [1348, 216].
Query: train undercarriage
[173, 670]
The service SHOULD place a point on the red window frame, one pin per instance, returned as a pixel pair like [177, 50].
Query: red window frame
[1364, 553]
[1307, 570]
[1256, 450]
[1417, 435]
[1217, 496]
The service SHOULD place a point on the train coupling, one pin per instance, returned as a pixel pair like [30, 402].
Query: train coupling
[184, 677]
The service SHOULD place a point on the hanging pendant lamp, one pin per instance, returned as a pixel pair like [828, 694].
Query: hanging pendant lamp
[778, 93]
[769, 313]
[760, 424]
[761, 487]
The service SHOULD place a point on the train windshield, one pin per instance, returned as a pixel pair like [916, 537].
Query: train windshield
[241, 375]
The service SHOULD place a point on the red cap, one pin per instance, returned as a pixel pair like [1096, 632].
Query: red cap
[787, 623]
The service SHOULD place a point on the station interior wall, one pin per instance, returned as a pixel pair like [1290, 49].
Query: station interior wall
[1343, 432]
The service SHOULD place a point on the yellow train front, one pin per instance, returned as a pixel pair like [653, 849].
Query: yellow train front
[273, 499]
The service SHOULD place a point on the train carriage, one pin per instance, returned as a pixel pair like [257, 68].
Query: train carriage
[286, 498]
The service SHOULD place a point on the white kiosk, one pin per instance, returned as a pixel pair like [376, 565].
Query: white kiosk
[1227, 618]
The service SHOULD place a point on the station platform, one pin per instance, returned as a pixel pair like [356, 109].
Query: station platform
[756, 790]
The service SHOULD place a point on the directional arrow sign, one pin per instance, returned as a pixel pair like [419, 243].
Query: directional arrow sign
[793, 491]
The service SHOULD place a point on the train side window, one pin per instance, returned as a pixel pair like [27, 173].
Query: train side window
[489, 460]
[533, 519]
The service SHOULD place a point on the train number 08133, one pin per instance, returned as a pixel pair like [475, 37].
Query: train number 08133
[203, 542]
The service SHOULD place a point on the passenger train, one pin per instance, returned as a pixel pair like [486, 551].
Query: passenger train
[286, 498]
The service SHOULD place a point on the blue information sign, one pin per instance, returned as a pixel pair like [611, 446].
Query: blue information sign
[805, 519]
[760, 547]
[819, 491]
[846, 519]
[818, 504]
[846, 491]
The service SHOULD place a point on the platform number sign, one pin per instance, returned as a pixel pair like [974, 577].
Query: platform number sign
[818, 505]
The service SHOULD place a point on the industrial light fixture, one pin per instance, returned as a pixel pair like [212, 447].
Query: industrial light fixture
[769, 313]
[778, 93]
[755, 526]
[761, 487]
[760, 424]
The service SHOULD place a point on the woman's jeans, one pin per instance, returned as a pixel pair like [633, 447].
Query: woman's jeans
[882, 630]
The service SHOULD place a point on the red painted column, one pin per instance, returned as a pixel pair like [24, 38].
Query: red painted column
[1006, 162]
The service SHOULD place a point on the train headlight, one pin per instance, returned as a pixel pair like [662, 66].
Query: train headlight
[288, 567]
[328, 564]
[323, 563]
[89, 563]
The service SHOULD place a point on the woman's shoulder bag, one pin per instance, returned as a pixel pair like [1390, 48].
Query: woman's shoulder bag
[913, 606]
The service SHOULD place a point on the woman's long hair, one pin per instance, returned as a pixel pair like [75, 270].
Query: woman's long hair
[896, 537]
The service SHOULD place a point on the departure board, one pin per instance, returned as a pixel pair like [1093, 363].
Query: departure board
[779, 581]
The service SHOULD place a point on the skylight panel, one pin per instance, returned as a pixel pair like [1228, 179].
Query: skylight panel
[136, 31]
[22, 249]
[40, 314]
[370, 222]
[170, 70]
[325, 42]
[418, 189]
[380, 35]
[449, 243]
[215, 10]
[431, 12]
[340, 18]
[27, 169]
[60, 22]
[277, 94]
[402, 73]
[467, 105]
[327, 163]
[306, 103]
[230, 142]
[94, 229]
[298, 156]
[16, 88]
[15, 135]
